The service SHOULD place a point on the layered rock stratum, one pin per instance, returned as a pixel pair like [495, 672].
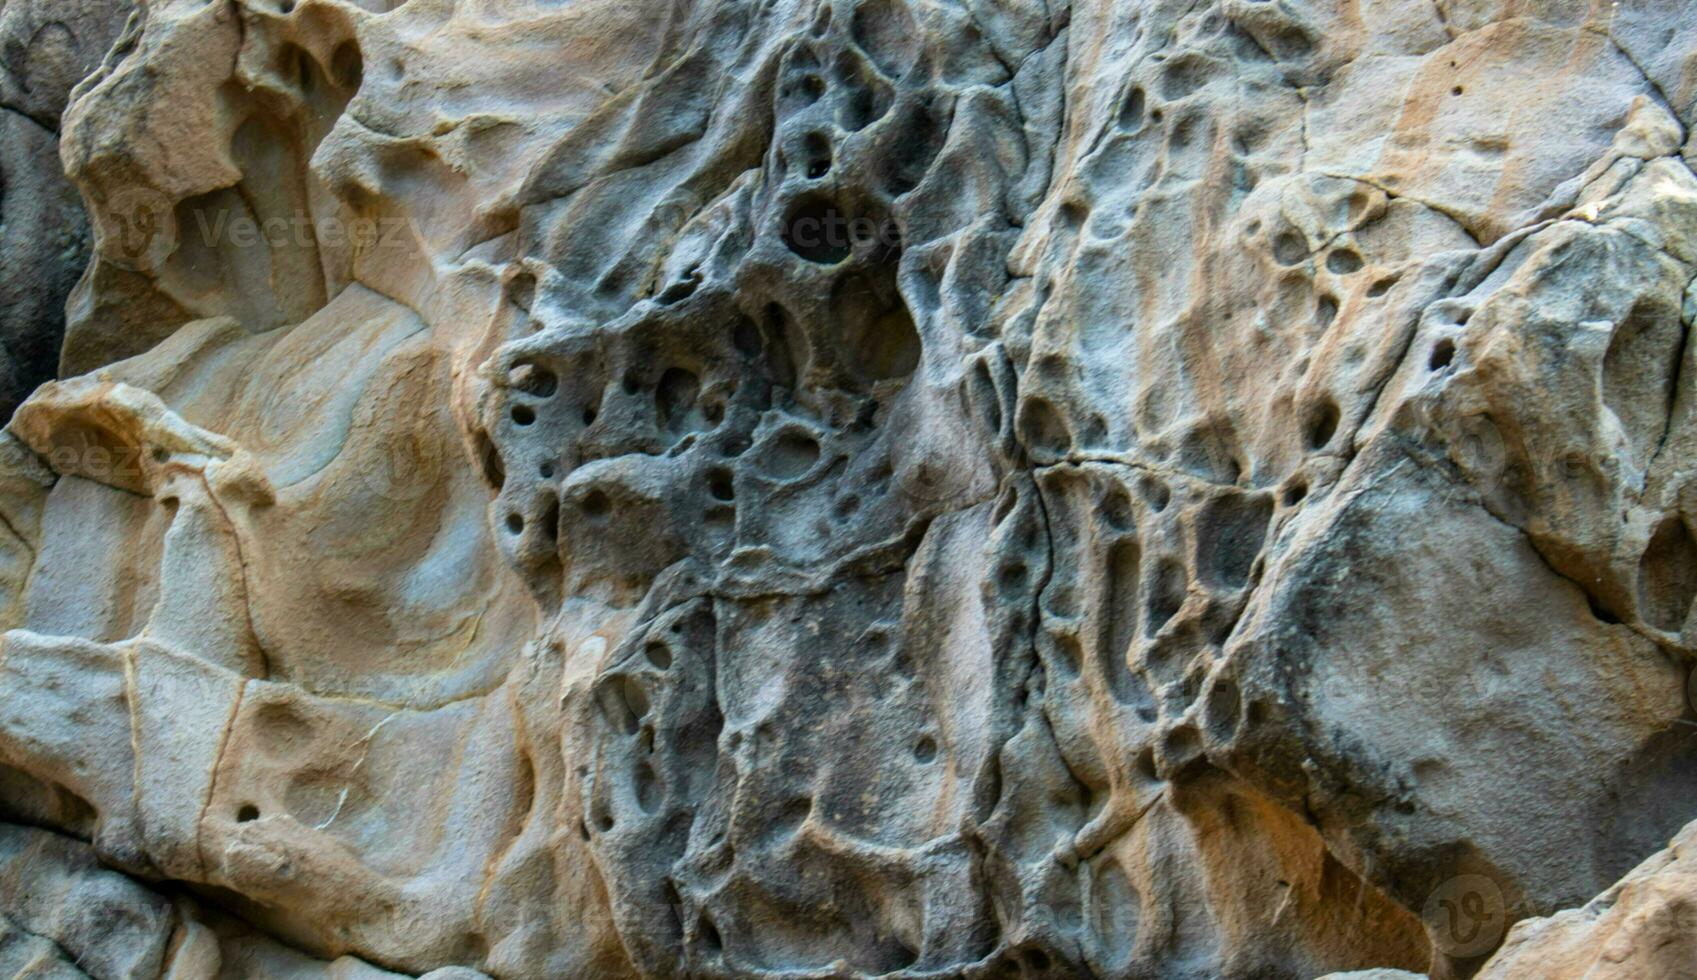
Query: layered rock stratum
[848, 488]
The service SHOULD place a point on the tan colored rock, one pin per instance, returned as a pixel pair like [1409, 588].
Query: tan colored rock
[849, 488]
[1641, 928]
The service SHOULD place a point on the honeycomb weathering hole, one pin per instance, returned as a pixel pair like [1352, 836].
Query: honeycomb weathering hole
[1667, 576]
[791, 455]
[885, 345]
[347, 66]
[913, 437]
[820, 232]
[675, 396]
[533, 379]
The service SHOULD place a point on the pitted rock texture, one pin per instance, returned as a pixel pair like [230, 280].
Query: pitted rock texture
[850, 488]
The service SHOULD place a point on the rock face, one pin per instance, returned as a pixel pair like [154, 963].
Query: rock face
[848, 488]
[46, 48]
[1645, 926]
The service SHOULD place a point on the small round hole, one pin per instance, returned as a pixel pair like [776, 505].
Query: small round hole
[926, 749]
[1322, 424]
[515, 523]
[817, 149]
[534, 379]
[247, 814]
[817, 230]
[546, 470]
[523, 415]
[659, 655]
[1443, 353]
[746, 337]
[1325, 311]
[1289, 248]
[720, 485]
[596, 504]
[1344, 261]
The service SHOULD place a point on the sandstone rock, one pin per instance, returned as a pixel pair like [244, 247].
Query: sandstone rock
[53, 890]
[1642, 927]
[848, 488]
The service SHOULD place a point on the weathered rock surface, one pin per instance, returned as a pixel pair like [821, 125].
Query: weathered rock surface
[839, 488]
[1645, 926]
[46, 48]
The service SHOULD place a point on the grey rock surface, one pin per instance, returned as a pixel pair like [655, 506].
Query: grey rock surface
[850, 488]
[46, 48]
